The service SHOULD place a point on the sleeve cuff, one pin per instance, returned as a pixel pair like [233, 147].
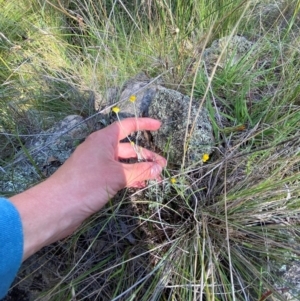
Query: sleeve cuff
[11, 244]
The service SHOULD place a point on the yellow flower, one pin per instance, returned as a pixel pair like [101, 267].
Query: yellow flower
[132, 98]
[205, 157]
[116, 109]
[173, 180]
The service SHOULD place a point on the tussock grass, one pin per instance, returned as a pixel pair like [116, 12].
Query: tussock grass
[223, 229]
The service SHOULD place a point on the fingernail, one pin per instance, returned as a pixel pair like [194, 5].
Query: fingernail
[156, 170]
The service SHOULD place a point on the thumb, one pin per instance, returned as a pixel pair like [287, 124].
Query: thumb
[139, 172]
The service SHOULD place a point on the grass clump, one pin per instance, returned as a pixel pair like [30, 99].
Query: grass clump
[220, 231]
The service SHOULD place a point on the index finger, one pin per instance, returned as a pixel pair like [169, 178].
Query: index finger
[125, 127]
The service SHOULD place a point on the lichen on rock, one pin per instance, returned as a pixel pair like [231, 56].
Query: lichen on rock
[268, 13]
[185, 130]
[44, 154]
[226, 50]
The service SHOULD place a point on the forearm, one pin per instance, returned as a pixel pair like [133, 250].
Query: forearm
[46, 215]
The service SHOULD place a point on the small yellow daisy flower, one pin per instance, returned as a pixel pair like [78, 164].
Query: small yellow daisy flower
[116, 109]
[173, 180]
[132, 98]
[205, 157]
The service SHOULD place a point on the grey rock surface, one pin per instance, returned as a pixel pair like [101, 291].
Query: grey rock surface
[44, 154]
[291, 280]
[226, 50]
[178, 114]
[267, 12]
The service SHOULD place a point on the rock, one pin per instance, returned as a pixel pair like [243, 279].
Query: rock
[177, 113]
[267, 13]
[291, 279]
[43, 155]
[100, 100]
[227, 50]
[288, 279]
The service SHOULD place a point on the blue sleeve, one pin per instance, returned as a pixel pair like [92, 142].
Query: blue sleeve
[11, 244]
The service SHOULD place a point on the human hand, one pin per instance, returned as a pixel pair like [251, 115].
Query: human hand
[92, 175]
